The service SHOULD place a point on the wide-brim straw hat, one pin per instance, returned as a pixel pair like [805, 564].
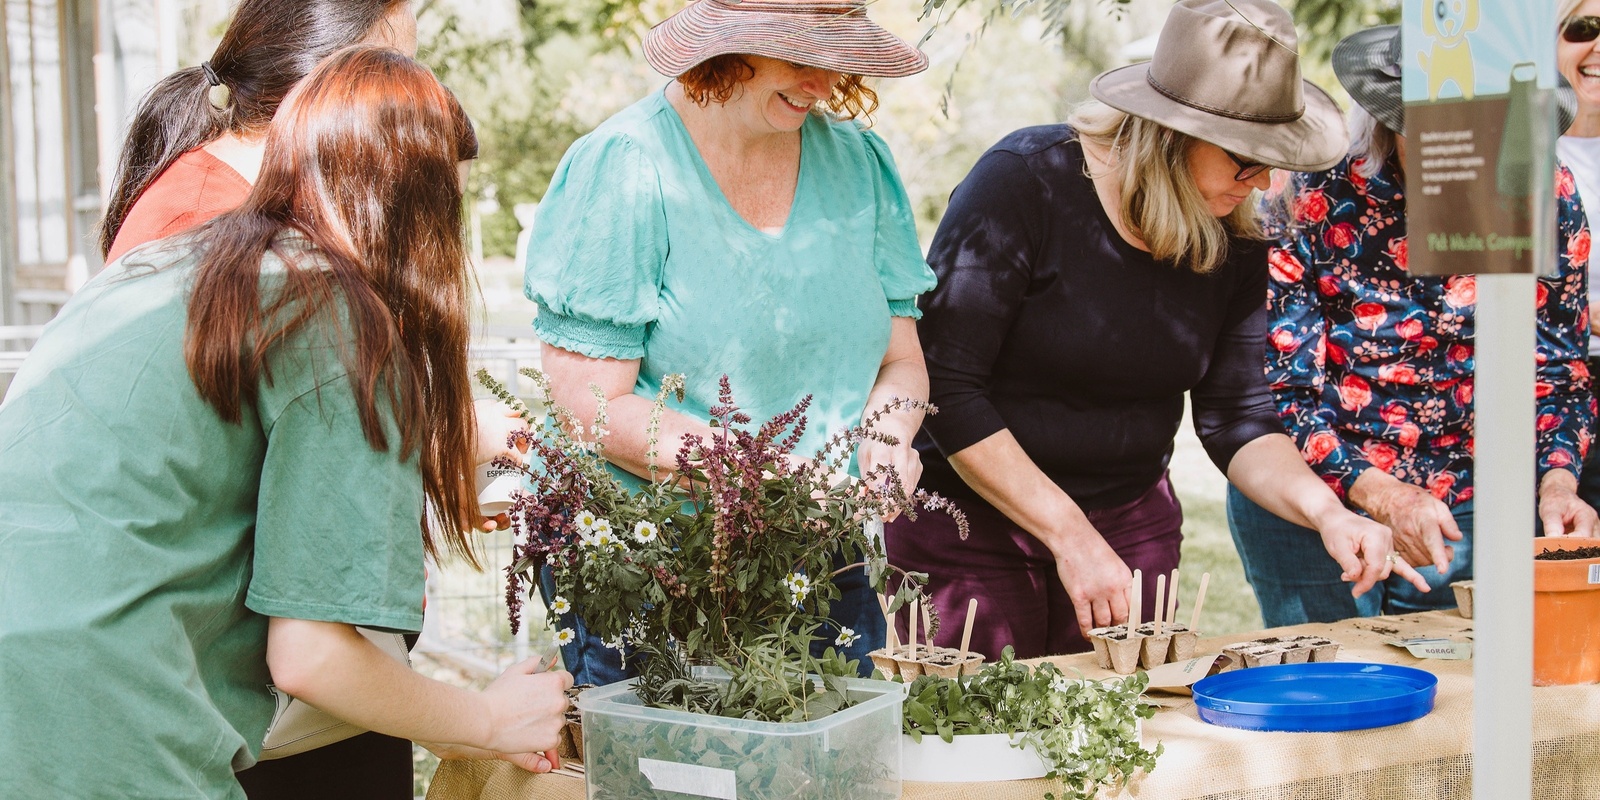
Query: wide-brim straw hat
[1228, 72]
[1367, 64]
[833, 36]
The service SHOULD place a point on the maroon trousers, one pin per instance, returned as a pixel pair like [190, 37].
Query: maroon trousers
[1021, 601]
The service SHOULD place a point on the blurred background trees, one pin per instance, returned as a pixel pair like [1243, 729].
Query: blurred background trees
[536, 74]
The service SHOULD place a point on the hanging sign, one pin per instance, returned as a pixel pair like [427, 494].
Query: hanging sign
[1478, 84]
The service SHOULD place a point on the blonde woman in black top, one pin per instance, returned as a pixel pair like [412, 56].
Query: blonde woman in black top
[1089, 275]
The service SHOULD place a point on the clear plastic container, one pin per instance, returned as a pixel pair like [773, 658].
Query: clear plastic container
[631, 752]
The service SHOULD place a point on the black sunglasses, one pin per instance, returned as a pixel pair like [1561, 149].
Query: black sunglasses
[1247, 169]
[1581, 29]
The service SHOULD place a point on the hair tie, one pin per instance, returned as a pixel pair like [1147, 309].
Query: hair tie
[219, 95]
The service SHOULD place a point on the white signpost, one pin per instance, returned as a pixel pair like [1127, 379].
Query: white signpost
[1480, 123]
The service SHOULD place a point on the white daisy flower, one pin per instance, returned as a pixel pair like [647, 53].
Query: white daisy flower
[798, 583]
[614, 644]
[604, 540]
[644, 532]
[601, 526]
[847, 637]
[563, 637]
[560, 605]
[586, 520]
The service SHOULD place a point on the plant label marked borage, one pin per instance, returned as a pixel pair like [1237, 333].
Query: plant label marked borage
[1434, 648]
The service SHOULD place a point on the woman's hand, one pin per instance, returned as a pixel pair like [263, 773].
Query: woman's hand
[1421, 523]
[496, 422]
[1561, 510]
[1096, 580]
[1364, 550]
[333, 667]
[532, 762]
[526, 708]
[902, 458]
[903, 374]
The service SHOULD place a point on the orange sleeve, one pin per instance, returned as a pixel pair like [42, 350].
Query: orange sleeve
[190, 192]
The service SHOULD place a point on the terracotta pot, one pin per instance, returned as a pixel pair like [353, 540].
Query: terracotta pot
[1566, 615]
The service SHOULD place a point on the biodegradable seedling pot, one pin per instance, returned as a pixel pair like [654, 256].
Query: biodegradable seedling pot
[910, 668]
[1566, 615]
[1463, 590]
[1296, 655]
[1124, 652]
[1184, 643]
[1264, 655]
[1102, 654]
[1156, 642]
[1321, 649]
[885, 662]
[952, 663]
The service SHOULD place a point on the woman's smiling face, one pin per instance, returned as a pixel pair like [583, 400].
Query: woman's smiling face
[780, 94]
[1579, 62]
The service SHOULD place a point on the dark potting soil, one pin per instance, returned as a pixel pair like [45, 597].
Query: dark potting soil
[1568, 555]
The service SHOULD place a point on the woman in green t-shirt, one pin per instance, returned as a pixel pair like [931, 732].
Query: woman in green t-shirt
[739, 222]
[216, 463]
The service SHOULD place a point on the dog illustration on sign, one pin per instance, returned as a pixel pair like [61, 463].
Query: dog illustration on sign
[1449, 59]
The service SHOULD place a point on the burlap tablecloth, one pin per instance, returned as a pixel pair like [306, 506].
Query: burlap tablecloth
[1427, 758]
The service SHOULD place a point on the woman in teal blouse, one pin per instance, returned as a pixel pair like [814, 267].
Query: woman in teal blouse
[729, 225]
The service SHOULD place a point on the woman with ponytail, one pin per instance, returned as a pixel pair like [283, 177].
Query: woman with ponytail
[233, 447]
[194, 146]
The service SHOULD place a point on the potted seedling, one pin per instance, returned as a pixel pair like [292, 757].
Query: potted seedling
[1566, 610]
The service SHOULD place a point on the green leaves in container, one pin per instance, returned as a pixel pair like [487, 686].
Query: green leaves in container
[1086, 732]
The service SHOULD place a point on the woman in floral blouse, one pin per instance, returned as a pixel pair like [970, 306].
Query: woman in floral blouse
[1372, 370]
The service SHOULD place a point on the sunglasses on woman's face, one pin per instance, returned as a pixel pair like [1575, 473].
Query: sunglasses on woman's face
[1247, 169]
[1579, 30]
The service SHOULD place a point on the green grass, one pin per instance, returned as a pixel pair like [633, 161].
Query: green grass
[1230, 606]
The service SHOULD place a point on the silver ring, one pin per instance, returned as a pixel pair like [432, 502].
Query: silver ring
[1392, 557]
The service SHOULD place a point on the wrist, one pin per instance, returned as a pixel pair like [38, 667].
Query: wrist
[1370, 489]
[1558, 479]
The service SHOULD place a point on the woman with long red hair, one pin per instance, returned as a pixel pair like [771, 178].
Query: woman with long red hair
[232, 448]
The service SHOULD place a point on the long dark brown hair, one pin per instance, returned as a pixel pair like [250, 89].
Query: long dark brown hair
[268, 47]
[362, 162]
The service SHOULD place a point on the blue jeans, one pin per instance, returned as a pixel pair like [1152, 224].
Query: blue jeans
[592, 662]
[1295, 580]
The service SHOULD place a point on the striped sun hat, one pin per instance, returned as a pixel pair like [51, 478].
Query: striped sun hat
[833, 36]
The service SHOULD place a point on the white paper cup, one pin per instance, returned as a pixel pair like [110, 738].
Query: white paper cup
[495, 486]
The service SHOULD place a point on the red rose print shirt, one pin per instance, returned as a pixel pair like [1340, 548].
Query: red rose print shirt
[1371, 367]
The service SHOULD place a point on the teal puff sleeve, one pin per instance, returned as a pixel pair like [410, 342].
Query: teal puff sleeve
[596, 250]
[896, 251]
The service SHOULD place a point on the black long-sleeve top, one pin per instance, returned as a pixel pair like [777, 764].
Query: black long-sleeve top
[1045, 321]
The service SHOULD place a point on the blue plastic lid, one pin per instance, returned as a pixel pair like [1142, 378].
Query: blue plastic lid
[1336, 696]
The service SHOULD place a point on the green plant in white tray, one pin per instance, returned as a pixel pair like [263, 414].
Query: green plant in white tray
[1086, 733]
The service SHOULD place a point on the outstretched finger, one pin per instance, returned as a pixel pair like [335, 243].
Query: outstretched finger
[1441, 553]
[1411, 575]
[1365, 569]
